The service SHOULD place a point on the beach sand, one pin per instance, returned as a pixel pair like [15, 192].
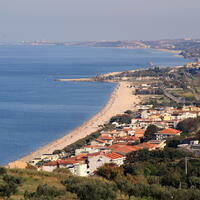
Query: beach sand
[120, 100]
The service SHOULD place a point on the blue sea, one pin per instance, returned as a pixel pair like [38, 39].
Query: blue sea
[35, 109]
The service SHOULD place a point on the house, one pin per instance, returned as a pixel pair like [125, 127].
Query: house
[98, 142]
[160, 143]
[165, 133]
[155, 117]
[100, 159]
[126, 139]
[88, 149]
[124, 149]
[166, 117]
[50, 157]
[76, 167]
[139, 133]
[106, 138]
[35, 161]
[147, 145]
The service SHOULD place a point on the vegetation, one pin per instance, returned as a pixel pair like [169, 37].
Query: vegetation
[9, 184]
[189, 125]
[148, 91]
[91, 188]
[44, 192]
[156, 175]
[31, 183]
[150, 132]
[146, 175]
[121, 119]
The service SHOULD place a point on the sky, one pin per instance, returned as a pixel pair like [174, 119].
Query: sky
[87, 20]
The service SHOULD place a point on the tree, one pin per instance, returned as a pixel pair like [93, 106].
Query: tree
[44, 192]
[171, 179]
[110, 171]
[150, 132]
[91, 188]
[3, 170]
[7, 190]
[174, 142]
[159, 193]
[9, 187]
[11, 180]
[189, 125]
[121, 119]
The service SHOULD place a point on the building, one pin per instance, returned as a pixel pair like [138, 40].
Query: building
[100, 159]
[165, 133]
[76, 167]
[87, 149]
[160, 143]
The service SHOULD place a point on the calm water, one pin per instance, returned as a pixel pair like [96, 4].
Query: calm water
[34, 109]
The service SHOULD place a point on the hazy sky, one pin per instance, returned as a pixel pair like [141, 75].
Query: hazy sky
[79, 20]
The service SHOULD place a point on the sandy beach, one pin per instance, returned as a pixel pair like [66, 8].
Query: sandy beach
[120, 100]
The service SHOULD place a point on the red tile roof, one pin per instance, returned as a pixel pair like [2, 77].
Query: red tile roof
[104, 137]
[127, 138]
[115, 146]
[147, 145]
[92, 146]
[100, 141]
[139, 131]
[126, 149]
[61, 162]
[113, 155]
[169, 131]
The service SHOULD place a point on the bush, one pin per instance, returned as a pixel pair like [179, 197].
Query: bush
[189, 125]
[44, 192]
[121, 119]
[12, 179]
[91, 188]
[110, 172]
[3, 170]
[10, 186]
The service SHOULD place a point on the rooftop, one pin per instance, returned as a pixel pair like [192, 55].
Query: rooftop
[170, 131]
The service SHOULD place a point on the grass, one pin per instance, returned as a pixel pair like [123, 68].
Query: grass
[187, 94]
[32, 179]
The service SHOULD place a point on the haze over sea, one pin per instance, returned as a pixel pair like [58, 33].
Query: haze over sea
[35, 109]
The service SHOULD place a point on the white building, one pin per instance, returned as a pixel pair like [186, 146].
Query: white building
[166, 133]
[77, 168]
[98, 160]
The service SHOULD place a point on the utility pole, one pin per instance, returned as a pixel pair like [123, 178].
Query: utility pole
[186, 166]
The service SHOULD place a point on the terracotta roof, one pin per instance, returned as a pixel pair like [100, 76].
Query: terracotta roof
[104, 137]
[170, 131]
[115, 146]
[61, 162]
[100, 141]
[92, 146]
[147, 145]
[94, 154]
[139, 131]
[126, 149]
[113, 155]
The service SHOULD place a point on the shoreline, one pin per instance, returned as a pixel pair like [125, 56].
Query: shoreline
[120, 100]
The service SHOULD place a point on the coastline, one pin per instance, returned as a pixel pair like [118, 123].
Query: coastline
[175, 52]
[121, 99]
